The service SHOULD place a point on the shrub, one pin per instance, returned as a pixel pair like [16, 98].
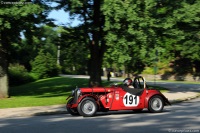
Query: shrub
[148, 70]
[18, 75]
[44, 66]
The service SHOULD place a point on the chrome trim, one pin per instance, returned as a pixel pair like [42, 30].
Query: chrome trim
[73, 92]
[78, 92]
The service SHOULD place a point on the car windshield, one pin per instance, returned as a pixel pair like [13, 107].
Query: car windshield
[138, 83]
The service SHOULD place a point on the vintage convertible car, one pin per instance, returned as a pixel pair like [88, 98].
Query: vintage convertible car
[87, 101]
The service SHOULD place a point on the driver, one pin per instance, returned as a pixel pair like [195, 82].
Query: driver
[128, 82]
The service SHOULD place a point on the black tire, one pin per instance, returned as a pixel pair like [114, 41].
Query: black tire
[156, 104]
[87, 107]
[72, 111]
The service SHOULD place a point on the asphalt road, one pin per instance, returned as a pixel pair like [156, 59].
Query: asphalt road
[177, 87]
[182, 117]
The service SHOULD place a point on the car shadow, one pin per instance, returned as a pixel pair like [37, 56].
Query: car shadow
[127, 112]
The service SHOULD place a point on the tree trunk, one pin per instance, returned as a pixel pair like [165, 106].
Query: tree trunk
[4, 86]
[197, 67]
[97, 46]
[3, 68]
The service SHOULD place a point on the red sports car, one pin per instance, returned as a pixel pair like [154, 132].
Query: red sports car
[87, 101]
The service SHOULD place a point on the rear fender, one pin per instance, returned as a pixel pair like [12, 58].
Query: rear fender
[148, 97]
[166, 101]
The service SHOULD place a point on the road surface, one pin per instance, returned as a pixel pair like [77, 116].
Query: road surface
[182, 117]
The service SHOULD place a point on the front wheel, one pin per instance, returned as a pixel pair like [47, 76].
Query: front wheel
[72, 111]
[156, 104]
[87, 107]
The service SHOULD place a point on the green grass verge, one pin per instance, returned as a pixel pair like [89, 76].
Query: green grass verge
[45, 92]
[49, 91]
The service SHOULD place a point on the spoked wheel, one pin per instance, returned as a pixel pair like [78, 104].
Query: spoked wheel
[72, 111]
[87, 107]
[156, 104]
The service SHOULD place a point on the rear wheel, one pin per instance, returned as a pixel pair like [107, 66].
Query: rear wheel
[72, 111]
[156, 104]
[87, 107]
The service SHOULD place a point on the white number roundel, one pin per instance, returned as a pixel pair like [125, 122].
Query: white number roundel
[130, 100]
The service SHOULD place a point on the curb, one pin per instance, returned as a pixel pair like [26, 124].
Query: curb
[184, 99]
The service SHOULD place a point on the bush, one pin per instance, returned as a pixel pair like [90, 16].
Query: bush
[44, 66]
[148, 70]
[18, 75]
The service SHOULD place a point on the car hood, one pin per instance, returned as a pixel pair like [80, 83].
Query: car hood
[97, 89]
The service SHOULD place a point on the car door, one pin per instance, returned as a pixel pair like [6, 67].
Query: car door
[129, 100]
[123, 100]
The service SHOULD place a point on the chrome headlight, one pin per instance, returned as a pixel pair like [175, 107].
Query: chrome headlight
[78, 92]
[73, 92]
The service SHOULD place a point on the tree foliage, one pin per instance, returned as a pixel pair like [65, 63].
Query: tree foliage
[15, 19]
[74, 54]
[141, 33]
[44, 65]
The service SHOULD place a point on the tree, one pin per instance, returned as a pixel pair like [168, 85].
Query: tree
[188, 21]
[44, 65]
[148, 31]
[3, 73]
[11, 25]
[130, 33]
[89, 11]
[179, 34]
[137, 34]
[74, 55]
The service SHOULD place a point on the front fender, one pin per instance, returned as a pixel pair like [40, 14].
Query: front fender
[68, 97]
[89, 95]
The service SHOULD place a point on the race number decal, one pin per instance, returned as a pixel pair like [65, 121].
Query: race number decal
[130, 100]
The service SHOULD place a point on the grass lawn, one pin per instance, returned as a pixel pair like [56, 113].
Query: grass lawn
[49, 91]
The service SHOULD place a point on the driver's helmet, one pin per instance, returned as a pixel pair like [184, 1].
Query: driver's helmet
[127, 81]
